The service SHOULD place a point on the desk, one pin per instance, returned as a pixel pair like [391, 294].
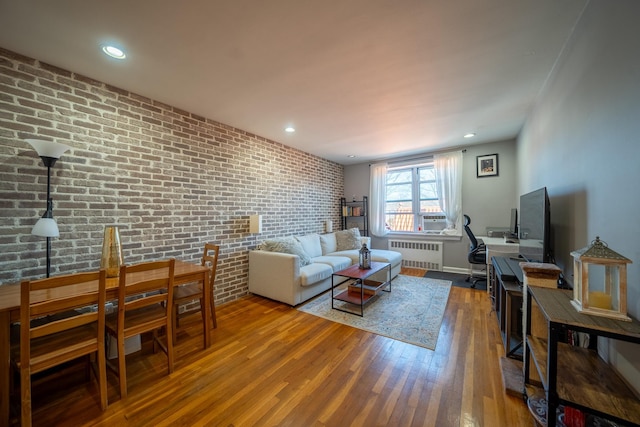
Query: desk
[496, 246]
[185, 272]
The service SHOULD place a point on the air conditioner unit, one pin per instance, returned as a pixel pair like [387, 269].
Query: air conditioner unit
[434, 222]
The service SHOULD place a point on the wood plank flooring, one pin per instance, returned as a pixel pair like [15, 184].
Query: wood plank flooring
[271, 365]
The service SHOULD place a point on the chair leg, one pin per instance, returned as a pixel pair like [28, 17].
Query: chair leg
[169, 349]
[174, 321]
[204, 315]
[25, 395]
[213, 313]
[102, 376]
[87, 367]
[122, 368]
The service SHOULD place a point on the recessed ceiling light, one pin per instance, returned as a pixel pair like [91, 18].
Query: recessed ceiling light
[351, 156]
[114, 52]
[290, 129]
[470, 135]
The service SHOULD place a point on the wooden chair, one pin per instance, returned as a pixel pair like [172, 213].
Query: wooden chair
[145, 298]
[191, 292]
[53, 332]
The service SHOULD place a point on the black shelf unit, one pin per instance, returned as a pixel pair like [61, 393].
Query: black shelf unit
[354, 214]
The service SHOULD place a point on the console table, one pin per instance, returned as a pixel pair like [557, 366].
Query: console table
[575, 376]
[506, 295]
[497, 246]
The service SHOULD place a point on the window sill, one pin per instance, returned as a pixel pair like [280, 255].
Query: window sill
[425, 236]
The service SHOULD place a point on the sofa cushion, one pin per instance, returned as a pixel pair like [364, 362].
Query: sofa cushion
[287, 245]
[328, 243]
[314, 273]
[348, 239]
[381, 255]
[337, 263]
[311, 244]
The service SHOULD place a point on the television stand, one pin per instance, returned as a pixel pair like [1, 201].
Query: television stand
[507, 302]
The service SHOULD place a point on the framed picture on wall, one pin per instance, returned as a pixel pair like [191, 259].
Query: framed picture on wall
[487, 165]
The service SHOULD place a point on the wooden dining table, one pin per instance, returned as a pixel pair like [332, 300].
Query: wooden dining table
[184, 272]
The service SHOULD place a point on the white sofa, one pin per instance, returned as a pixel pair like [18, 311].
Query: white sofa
[303, 268]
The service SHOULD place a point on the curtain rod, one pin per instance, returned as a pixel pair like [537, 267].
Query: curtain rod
[419, 157]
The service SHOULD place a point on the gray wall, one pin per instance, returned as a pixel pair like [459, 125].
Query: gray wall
[488, 201]
[581, 141]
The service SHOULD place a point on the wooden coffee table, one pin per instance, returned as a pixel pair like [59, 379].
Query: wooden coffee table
[359, 290]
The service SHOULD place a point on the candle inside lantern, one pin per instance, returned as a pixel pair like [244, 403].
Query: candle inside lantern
[600, 300]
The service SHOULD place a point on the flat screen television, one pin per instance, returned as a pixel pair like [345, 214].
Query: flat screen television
[535, 226]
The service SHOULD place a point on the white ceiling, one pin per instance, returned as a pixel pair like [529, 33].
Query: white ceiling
[372, 78]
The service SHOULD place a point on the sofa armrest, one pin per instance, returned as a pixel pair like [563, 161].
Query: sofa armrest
[274, 275]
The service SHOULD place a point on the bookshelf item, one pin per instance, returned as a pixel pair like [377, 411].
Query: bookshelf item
[355, 214]
[570, 375]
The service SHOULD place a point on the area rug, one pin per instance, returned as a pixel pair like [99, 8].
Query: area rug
[412, 312]
[458, 280]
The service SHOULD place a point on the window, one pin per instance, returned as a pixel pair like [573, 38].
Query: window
[402, 193]
[410, 193]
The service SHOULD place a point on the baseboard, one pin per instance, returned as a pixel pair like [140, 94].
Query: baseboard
[456, 270]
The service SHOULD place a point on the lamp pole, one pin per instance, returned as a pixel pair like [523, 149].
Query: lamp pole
[46, 226]
[48, 161]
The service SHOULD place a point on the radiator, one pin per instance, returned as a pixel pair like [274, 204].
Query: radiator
[425, 255]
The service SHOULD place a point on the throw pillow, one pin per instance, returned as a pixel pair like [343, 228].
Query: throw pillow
[348, 239]
[287, 245]
[311, 244]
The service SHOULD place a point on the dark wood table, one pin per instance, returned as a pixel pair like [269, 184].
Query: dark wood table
[184, 272]
[360, 290]
[575, 376]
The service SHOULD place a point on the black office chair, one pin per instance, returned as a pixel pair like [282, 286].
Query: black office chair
[477, 252]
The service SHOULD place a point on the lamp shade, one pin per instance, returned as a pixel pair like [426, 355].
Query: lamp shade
[46, 227]
[255, 224]
[48, 148]
[328, 226]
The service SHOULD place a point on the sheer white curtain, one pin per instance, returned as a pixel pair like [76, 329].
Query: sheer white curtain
[448, 168]
[378, 194]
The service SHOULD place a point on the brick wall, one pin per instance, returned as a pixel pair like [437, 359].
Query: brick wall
[172, 179]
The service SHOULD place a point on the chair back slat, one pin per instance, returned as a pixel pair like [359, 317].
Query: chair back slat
[62, 304]
[56, 326]
[145, 298]
[67, 284]
[152, 283]
[54, 331]
[210, 259]
[146, 301]
[146, 286]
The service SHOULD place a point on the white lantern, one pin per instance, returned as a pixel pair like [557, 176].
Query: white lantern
[600, 281]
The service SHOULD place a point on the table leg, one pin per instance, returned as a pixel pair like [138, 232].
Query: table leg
[4, 367]
[206, 286]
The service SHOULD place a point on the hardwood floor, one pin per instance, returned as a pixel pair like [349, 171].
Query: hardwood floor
[270, 364]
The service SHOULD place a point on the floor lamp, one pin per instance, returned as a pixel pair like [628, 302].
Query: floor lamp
[46, 226]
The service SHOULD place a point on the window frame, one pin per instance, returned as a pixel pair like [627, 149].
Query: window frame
[416, 195]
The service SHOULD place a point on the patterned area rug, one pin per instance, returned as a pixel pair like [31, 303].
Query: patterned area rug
[412, 312]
